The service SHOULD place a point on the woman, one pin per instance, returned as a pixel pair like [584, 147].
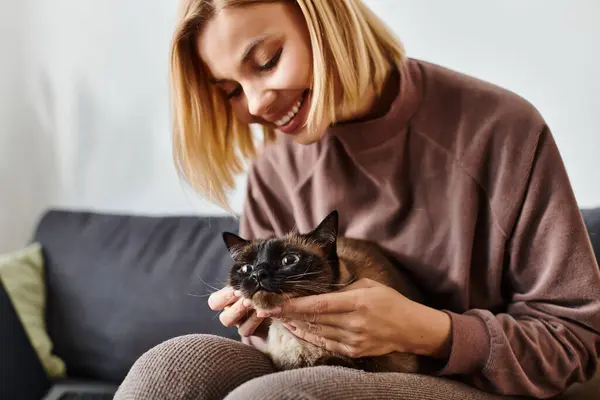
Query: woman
[460, 180]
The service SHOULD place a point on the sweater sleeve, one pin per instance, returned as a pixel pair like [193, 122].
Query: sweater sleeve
[549, 335]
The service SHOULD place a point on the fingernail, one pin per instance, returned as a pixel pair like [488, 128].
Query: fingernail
[276, 310]
[237, 293]
[262, 314]
[247, 303]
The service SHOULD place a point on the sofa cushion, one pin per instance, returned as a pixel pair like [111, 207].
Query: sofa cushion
[22, 274]
[118, 285]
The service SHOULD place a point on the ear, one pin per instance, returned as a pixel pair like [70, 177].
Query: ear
[232, 241]
[326, 232]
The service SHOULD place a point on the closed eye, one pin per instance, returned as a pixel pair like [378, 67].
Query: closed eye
[272, 62]
[265, 67]
[235, 92]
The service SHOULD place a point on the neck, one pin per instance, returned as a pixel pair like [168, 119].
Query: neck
[374, 102]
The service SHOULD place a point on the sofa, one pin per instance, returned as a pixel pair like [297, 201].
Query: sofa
[117, 285]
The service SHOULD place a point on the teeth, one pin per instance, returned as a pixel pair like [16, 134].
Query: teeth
[287, 118]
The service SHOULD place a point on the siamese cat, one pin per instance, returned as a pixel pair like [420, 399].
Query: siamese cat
[268, 271]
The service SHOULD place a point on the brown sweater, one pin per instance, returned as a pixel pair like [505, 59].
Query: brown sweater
[463, 183]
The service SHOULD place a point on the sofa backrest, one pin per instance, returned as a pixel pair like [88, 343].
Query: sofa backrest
[120, 284]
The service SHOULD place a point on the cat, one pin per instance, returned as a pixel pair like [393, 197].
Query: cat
[268, 271]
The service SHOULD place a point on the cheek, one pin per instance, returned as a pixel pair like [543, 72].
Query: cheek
[293, 72]
[240, 110]
[234, 280]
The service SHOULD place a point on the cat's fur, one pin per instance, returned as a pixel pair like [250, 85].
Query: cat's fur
[322, 262]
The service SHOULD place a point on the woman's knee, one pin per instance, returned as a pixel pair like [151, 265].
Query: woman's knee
[300, 384]
[338, 383]
[193, 367]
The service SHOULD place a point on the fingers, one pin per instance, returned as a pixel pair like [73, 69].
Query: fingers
[320, 341]
[236, 313]
[360, 284]
[324, 331]
[336, 302]
[248, 327]
[338, 320]
[223, 297]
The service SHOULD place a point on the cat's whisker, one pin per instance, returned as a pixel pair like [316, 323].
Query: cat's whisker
[302, 275]
[311, 287]
[313, 283]
[199, 295]
[216, 289]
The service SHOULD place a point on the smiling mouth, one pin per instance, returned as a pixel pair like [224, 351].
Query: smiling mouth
[285, 120]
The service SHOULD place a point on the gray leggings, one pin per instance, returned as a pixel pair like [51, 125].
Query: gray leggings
[209, 367]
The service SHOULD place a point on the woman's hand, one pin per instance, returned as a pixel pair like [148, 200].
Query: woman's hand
[238, 311]
[367, 318]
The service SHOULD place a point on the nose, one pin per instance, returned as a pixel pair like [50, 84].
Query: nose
[258, 102]
[261, 273]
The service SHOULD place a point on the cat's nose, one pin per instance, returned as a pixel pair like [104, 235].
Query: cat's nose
[260, 273]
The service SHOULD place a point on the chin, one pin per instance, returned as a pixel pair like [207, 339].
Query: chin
[263, 300]
[304, 137]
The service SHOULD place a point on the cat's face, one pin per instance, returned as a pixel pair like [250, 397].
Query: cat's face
[269, 271]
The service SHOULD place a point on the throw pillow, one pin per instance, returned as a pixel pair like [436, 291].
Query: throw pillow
[22, 274]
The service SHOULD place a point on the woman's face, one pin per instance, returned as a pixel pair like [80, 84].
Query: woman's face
[260, 56]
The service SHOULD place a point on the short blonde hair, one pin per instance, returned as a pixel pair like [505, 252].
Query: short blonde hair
[351, 48]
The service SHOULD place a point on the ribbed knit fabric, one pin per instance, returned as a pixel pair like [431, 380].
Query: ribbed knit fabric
[206, 367]
[198, 367]
[337, 383]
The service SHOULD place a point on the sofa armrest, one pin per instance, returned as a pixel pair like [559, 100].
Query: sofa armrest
[22, 375]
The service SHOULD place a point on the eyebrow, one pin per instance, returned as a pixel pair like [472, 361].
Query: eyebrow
[254, 43]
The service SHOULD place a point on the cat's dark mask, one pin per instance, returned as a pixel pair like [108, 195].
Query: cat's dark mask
[269, 270]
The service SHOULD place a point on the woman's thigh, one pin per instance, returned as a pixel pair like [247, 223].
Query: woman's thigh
[193, 367]
[337, 383]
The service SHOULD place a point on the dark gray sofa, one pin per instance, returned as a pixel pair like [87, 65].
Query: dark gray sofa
[117, 286]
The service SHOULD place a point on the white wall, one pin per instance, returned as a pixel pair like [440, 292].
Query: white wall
[547, 51]
[84, 118]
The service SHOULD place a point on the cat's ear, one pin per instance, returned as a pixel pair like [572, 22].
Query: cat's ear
[234, 242]
[326, 232]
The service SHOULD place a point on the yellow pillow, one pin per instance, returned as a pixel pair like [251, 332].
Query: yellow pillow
[22, 274]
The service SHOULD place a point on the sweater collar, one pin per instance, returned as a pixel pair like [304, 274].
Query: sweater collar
[388, 117]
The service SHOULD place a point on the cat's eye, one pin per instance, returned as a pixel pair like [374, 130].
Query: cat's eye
[246, 269]
[290, 259]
